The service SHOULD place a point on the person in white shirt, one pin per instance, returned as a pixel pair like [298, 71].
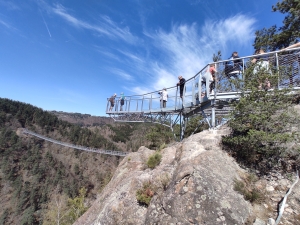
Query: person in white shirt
[163, 97]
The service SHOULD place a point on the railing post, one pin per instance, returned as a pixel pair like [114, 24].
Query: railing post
[183, 95]
[193, 92]
[176, 98]
[200, 87]
[215, 86]
[213, 113]
[107, 105]
[277, 68]
[117, 105]
[150, 103]
[142, 103]
[129, 104]
[243, 69]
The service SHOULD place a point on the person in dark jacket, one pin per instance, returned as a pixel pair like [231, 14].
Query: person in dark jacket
[181, 85]
[122, 101]
[237, 62]
[233, 66]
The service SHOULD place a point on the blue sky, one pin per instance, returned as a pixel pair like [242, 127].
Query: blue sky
[69, 55]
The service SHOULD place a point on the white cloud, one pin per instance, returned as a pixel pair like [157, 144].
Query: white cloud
[5, 24]
[140, 90]
[132, 56]
[238, 29]
[106, 53]
[121, 73]
[9, 5]
[187, 48]
[106, 27]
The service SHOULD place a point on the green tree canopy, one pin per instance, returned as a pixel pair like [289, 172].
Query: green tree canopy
[275, 38]
[262, 124]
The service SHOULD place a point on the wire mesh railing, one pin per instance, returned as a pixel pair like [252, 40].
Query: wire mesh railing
[283, 68]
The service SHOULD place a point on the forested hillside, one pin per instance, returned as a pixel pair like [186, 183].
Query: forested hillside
[84, 120]
[125, 136]
[35, 173]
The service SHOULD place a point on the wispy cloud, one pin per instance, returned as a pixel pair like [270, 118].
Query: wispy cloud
[5, 24]
[46, 25]
[105, 27]
[106, 53]
[9, 5]
[121, 73]
[132, 56]
[238, 29]
[187, 48]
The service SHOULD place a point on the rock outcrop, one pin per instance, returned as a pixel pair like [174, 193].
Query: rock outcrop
[193, 184]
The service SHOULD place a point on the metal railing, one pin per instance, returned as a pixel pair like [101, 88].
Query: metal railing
[284, 65]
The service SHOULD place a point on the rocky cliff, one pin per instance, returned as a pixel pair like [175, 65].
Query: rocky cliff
[193, 184]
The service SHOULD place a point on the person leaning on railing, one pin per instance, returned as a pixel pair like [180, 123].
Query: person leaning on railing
[181, 85]
[297, 45]
[262, 62]
[296, 55]
[234, 66]
[112, 101]
[297, 52]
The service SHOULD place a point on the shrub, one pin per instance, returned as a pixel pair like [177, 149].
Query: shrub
[145, 194]
[4, 217]
[246, 188]
[158, 135]
[262, 123]
[162, 146]
[195, 125]
[154, 160]
[76, 206]
[164, 180]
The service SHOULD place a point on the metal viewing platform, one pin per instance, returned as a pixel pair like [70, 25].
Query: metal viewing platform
[197, 98]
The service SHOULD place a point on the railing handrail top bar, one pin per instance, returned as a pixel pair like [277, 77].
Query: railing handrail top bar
[262, 54]
[222, 61]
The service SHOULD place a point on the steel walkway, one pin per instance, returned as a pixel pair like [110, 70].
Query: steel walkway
[229, 81]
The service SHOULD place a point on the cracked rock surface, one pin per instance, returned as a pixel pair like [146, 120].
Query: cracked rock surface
[193, 184]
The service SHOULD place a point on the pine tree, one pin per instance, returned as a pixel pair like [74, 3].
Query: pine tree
[273, 38]
[262, 123]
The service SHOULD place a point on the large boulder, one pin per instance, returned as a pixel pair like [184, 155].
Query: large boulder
[193, 184]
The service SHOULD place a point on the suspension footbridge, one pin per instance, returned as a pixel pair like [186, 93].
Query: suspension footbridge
[82, 148]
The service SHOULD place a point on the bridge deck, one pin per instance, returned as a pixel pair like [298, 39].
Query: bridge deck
[228, 87]
[82, 148]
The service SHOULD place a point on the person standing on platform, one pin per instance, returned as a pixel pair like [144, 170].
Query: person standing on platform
[181, 85]
[122, 101]
[163, 98]
[112, 101]
[213, 72]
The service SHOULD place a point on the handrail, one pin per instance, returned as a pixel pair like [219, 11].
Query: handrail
[218, 62]
[228, 84]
